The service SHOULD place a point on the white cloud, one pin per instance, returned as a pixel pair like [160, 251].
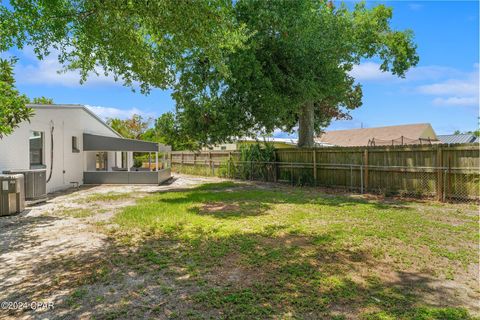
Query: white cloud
[370, 71]
[456, 101]
[109, 112]
[415, 6]
[452, 86]
[461, 91]
[30, 70]
[449, 86]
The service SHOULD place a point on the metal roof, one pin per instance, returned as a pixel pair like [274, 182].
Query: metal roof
[457, 138]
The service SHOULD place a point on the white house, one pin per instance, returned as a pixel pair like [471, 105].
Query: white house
[75, 147]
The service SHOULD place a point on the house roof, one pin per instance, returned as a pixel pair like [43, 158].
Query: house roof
[457, 138]
[93, 142]
[73, 106]
[411, 133]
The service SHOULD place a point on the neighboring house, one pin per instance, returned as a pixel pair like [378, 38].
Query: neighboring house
[458, 138]
[74, 146]
[421, 133]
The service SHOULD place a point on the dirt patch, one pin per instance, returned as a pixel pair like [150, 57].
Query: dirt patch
[46, 254]
[219, 207]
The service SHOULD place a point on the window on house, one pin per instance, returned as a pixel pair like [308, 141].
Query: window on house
[101, 160]
[36, 148]
[223, 148]
[75, 145]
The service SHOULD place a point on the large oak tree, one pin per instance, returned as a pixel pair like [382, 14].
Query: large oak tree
[293, 71]
[238, 67]
[139, 42]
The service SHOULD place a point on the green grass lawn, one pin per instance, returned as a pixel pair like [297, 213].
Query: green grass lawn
[239, 251]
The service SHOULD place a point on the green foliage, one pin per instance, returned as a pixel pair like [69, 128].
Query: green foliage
[13, 109]
[476, 132]
[132, 128]
[167, 131]
[140, 42]
[254, 161]
[42, 100]
[137, 163]
[259, 251]
[300, 53]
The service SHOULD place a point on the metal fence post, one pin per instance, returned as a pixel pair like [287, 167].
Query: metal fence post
[439, 163]
[351, 177]
[365, 161]
[275, 166]
[251, 170]
[291, 173]
[361, 178]
[228, 163]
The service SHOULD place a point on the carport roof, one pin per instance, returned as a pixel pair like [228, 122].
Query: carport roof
[92, 142]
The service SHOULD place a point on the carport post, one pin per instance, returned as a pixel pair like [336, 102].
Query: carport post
[156, 161]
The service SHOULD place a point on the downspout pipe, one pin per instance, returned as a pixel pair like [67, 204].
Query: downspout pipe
[52, 128]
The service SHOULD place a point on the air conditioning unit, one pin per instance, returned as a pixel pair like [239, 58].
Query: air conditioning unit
[35, 181]
[12, 198]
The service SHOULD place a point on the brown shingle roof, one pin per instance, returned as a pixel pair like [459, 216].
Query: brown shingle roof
[361, 137]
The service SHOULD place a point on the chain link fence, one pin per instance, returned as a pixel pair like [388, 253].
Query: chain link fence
[436, 183]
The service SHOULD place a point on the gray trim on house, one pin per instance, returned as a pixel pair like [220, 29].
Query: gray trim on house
[126, 177]
[92, 142]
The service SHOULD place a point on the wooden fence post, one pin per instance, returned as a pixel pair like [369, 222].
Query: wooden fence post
[439, 164]
[182, 158]
[365, 163]
[314, 167]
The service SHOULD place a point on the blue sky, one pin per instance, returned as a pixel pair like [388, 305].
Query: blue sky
[442, 90]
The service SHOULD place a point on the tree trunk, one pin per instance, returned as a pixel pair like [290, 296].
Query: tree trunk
[305, 126]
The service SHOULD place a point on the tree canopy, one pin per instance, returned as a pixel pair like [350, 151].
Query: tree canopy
[238, 68]
[132, 128]
[293, 71]
[13, 109]
[167, 131]
[42, 100]
[140, 42]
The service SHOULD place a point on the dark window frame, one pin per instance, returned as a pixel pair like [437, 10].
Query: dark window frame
[75, 145]
[37, 152]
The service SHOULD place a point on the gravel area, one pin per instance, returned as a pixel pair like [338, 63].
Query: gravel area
[35, 242]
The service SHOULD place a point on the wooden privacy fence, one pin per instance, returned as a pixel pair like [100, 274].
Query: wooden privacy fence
[446, 172]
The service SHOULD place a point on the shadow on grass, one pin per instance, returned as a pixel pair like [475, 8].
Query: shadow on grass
[247, 197]
[244, 276]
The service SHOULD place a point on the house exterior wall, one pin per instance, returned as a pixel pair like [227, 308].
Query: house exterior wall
[68, 166]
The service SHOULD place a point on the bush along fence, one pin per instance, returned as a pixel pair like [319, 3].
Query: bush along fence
[443, 172]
